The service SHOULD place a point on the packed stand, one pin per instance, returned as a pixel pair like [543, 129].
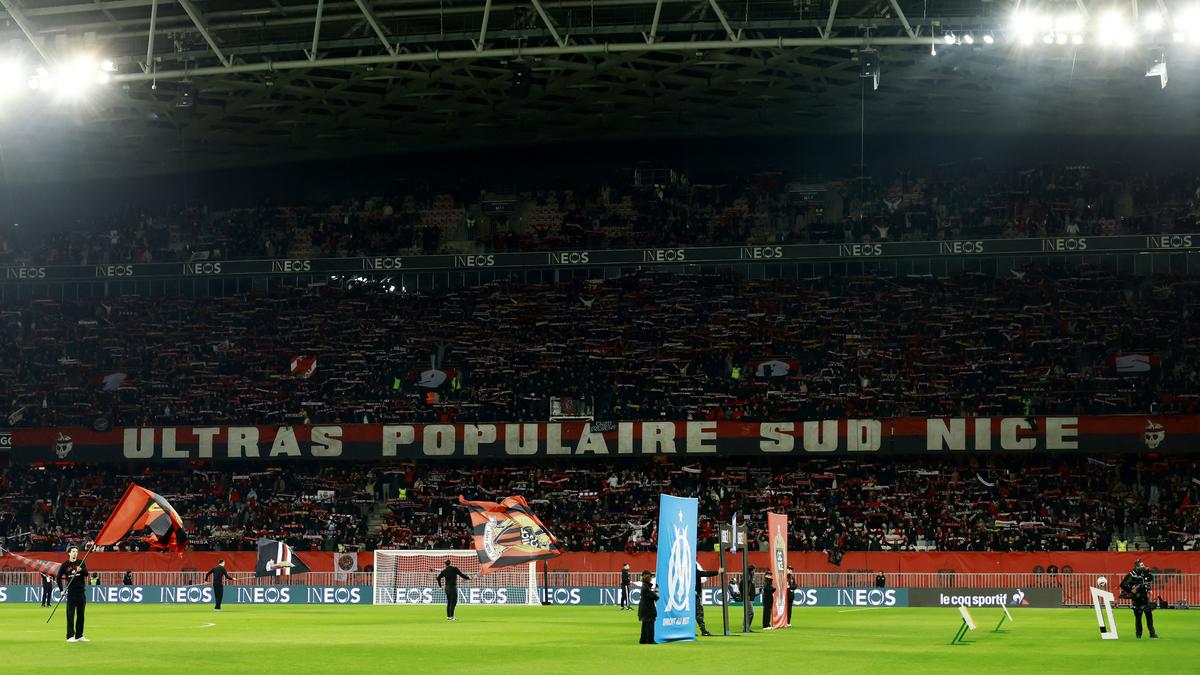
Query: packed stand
[899, 504]
[644, 207]
[643, 347]
[317, 508]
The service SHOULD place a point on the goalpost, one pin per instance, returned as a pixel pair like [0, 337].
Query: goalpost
[410, 578]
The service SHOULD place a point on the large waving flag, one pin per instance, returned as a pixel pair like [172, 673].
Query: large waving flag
[508, 534]
[142, 509]
[676, 567]
[39, 566]
[276, 558]
[777, 527]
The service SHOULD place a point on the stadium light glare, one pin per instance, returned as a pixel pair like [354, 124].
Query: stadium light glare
[1178, 36]
[12, 77]
[108, 66]
[1069, 23]
[1154, 22]
[948, 38]
[1077, 39]
[968, 39]
[988, 39]
[1061, 38]
[1048, 38]
[1023, 25]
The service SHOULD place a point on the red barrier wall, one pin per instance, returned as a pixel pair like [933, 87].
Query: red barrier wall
[1188, 562]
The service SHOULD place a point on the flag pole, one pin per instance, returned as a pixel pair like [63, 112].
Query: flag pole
[64, 591]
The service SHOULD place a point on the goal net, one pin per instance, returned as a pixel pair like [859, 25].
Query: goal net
[410, 578]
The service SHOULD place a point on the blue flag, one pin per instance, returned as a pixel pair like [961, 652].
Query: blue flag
[676, 569]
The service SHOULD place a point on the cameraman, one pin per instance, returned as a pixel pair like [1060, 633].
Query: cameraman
[1136, 587]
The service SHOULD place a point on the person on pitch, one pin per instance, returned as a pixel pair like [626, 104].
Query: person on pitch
[72, 580]
[749, 594]
[625, 583]
[701, 575]
[450, 575]
[47, 589]
[791, 591]
[218, 575]
[1136, 587]
[768, 596]
[647, 610]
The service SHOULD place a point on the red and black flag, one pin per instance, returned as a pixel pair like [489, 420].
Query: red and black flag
[276, 558]
[508, 534]
[40, 566]
[142, 509]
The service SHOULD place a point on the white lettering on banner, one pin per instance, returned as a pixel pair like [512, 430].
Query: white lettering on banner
[961, 247]
[291, 265]
[114, 270]
[625, 438]
[821, 436]
[568, 257]
[983, 433]
[169, 451]
[202, 268]
[863, 435]
[862, 597]
[1064, 244]
[1169, 241]
[132, 449]
[994, 600]
[859, 250]
[1008, 434]
[554, 444]
[776, 436]
[4, 594]
[437, 440]
[264, 595]
[483, 596]
[118, 594]
[396, 435]
[488, 260]
[205, 436]
[700, 436]
[392, 263]
[663, 255]
[658, 437]
[243, 441]
[473, 435]
[520, 439]
[186, 594]
[326, 441]
[335, 595]
[562, 596]
[25, 272]
[949, 435]
[285, 443]
[591, 441]
[761, 252]
[1061, 433]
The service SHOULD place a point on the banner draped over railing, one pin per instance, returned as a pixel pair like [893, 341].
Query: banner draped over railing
[516, 440]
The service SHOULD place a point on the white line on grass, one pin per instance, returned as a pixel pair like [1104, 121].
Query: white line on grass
[207, 625]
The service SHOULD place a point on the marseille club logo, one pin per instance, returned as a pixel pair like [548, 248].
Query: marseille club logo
[680, 569]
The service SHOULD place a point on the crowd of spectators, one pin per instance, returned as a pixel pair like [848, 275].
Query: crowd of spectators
[645, 207]
[898, 504]
[639, 347]
[47, 507]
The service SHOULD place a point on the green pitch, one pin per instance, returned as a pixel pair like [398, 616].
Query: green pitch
[340, 639]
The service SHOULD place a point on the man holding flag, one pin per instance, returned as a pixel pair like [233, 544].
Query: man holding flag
[74, 572]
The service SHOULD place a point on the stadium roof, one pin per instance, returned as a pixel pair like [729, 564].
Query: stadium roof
[242, 82]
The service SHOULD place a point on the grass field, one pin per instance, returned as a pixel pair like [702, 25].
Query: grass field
[307, 639]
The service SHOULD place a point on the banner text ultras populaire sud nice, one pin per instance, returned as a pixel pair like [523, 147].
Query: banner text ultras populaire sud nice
[611, 439]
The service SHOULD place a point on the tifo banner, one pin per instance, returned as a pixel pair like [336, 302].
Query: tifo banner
[985, 597]
[976, 435]
[676, 569]
[203, 595]
[777, 534]
[508, 533]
